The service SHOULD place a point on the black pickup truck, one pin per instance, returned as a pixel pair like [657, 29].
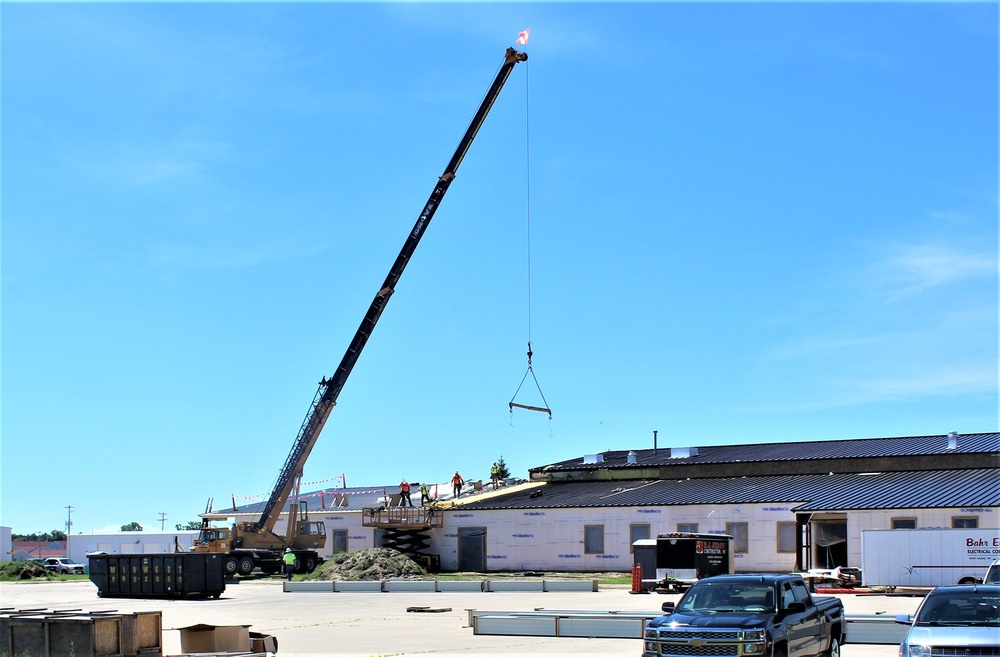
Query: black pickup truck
[766, 615]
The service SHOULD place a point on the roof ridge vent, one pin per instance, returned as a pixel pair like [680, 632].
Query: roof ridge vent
[953, 440]
[683, 452]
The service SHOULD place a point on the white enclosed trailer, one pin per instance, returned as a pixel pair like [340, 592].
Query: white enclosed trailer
[927, 557]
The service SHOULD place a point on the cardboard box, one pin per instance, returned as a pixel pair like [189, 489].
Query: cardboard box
[263, 643]
[215, 638]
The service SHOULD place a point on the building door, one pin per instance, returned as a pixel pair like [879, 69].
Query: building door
[472, 549]
[830, 543]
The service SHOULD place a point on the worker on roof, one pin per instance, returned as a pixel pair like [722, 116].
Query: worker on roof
[404, 493]
[456, 484]
[425, 495]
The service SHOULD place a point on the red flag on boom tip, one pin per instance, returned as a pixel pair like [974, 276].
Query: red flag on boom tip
[522, 38]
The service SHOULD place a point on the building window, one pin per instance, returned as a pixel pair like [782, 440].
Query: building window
[593, 539]
[741, 536]
[339, 541]
[964, 522]
[689, 527]
[904, 523]
[636, 533]
[786, 537]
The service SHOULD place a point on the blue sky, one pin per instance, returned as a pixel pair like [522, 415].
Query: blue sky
[748, 223]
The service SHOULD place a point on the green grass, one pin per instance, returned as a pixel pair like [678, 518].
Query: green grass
[28, 571]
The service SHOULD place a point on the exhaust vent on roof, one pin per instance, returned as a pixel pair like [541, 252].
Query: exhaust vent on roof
[683, 452]
[953, 440]
[593, 458]
[631, 456]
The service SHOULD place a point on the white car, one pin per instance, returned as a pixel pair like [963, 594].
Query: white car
[993, 573]
[63, 565]
[954, 620]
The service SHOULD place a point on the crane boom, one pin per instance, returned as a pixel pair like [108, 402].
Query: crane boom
[329, 389]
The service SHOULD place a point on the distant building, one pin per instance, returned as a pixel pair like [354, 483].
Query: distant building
[6, 547]
[144, 542]
[24, 550]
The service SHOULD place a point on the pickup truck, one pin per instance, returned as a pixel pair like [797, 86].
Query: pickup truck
[765, 615]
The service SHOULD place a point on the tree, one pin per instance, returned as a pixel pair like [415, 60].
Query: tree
[504, 470]
[47, 537]
[132, 527]
[192, 524]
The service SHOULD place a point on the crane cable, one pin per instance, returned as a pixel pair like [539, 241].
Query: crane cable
[527, 151]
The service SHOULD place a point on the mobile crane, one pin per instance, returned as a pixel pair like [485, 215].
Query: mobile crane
[254, 544]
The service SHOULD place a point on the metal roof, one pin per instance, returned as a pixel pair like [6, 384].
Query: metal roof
[976, 443]
[833, 492]
[323, 500]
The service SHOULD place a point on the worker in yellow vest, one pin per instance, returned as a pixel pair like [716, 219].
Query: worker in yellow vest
[289, 559]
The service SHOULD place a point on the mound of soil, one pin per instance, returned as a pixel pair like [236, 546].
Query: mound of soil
[23, 570]
[369, 564]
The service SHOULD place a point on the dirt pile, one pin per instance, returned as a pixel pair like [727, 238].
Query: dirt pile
[369, 564]
[13, 570]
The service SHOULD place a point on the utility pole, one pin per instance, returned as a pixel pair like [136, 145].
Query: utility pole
[69, 521]
[163, 519]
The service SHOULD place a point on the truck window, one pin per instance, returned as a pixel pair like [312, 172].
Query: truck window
[787, 597]
[800, 592]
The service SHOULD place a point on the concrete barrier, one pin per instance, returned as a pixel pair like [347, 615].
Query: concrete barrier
[407, 585]
[504, 585]
[321, 586]
[349, 586]
[440, 586]
[460, 586]
[570, 585]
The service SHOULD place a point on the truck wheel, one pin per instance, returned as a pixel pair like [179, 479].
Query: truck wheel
[309, 564]
[246, 566]
[834, 650]
[230, 567]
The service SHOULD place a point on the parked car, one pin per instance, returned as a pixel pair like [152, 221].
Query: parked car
[954, 620]
[64, 565]
[993, 573]
[761, 615]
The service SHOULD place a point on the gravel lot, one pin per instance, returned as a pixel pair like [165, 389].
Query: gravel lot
[366, 624]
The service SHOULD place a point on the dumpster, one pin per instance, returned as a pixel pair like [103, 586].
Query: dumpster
[168, 575]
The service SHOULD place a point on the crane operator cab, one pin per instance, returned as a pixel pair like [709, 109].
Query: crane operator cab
[304, 533]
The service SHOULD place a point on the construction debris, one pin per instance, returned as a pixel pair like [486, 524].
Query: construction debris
[368, 565]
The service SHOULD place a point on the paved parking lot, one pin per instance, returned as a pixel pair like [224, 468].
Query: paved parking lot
[368, 624]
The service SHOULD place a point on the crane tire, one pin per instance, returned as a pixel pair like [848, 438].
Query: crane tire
[246, 565]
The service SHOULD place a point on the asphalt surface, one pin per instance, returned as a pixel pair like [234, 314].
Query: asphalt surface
[369, 624]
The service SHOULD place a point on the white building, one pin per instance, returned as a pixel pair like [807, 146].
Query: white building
[80, 545]
[789, 506]
[6, 545]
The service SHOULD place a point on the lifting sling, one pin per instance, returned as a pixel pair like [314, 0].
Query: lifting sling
[512, 405]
